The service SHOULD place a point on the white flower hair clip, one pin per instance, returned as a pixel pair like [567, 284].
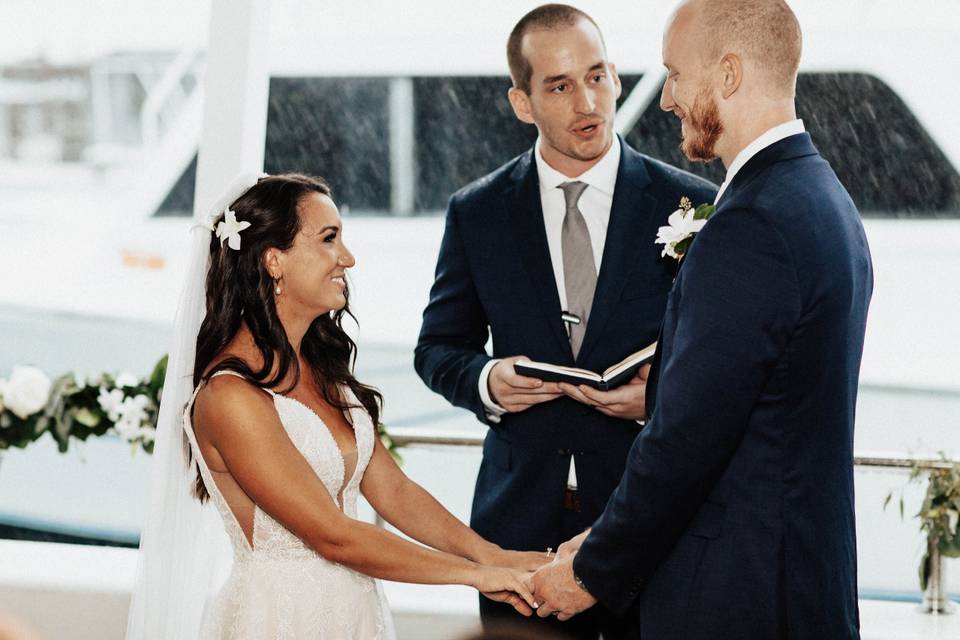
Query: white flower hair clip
[229, 229]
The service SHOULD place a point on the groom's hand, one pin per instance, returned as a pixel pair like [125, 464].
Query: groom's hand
[516, 393]
[557, 593]
[626, 401]
[571, 546]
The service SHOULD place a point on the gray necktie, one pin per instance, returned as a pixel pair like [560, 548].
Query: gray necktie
[579, 268]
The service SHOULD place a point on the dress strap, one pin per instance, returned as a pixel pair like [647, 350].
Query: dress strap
[231, 372]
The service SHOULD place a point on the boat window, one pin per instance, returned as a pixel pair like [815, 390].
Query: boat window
[881, 153]
[463, 127]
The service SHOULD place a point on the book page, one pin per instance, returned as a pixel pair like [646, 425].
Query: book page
[573, 371]
[630, 360]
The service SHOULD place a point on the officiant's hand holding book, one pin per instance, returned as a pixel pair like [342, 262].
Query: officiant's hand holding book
[515, 392]
[614, 376]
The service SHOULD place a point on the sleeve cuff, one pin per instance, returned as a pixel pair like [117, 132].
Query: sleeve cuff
[493, 410]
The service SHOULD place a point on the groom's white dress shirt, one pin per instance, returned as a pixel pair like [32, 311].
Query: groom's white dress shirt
[594, 204]
[767, 138]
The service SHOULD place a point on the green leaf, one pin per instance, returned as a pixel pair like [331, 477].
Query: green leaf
[886, 500]
[704, 211]
[86, 417]
[924, 571]
[157, 375]
[682, 246]
[901, 507]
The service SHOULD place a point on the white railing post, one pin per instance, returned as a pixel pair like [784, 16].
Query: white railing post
[402, 147]
[935, 599]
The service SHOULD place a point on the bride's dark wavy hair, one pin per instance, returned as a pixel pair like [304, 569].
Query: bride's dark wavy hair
[240, 289]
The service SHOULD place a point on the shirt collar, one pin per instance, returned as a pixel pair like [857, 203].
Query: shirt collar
[769, 137]
[601, 176]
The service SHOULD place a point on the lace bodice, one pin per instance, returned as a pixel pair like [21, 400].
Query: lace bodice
[315, 442]
[279, 587]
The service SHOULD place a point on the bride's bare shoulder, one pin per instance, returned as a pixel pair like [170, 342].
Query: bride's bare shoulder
[230, 402]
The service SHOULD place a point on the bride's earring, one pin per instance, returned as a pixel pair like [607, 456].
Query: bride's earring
[276, 286]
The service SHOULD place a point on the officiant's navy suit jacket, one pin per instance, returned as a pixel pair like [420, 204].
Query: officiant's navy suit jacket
[735, 516]
[494, 276]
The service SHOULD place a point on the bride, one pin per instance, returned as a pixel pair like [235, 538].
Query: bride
[281, 438]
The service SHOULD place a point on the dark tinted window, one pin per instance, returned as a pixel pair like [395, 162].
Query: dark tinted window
[336, 128]
[885, 159]
[464, 128]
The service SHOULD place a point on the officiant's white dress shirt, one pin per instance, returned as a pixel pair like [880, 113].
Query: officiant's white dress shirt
[594, 204]
[767, 138]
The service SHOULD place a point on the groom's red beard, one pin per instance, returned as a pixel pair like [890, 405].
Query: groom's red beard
[705, 126]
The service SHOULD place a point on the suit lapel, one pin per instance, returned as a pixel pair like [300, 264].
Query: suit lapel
[632, 221]
[795, 146]
[524, 201]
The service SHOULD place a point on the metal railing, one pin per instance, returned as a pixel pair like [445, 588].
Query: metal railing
[935, 598]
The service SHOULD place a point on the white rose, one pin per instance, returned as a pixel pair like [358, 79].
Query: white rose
[680, 226]
[127, 379]
[3, 385]
[148, 434]
[132, 414]
[110, 401]
[26, 392]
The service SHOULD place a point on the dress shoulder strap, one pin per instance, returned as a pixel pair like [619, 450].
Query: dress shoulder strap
[231, 372]
[228, 372]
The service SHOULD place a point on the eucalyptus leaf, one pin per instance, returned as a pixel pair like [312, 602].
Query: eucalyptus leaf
[924, 571]
[86, 417]
[950, 548]
[157, 375]
[40, 426]
[704, 211]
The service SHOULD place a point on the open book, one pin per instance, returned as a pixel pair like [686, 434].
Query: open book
[612, 378]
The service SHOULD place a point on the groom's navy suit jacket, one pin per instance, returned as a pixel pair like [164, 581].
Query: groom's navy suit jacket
[735, 515]
[494, 277]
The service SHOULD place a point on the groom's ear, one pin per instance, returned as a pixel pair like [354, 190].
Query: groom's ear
[731, 74]
[520, 102]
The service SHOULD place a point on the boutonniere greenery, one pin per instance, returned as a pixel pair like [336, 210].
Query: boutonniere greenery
[682, 225]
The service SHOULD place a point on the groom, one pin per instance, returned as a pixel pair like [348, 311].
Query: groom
[735, 518]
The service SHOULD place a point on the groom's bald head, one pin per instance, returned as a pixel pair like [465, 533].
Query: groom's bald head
[763, 33]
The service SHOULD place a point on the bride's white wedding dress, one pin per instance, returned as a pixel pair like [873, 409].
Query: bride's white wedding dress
[279, 587]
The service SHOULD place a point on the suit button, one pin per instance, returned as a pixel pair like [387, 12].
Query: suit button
[564, 452]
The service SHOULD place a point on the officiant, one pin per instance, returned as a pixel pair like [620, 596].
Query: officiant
[553, 255]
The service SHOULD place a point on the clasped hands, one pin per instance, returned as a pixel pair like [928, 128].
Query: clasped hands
[516, 393]
[553, 586]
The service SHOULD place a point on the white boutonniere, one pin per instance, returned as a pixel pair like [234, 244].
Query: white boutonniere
[229, 229]
[683, 225]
